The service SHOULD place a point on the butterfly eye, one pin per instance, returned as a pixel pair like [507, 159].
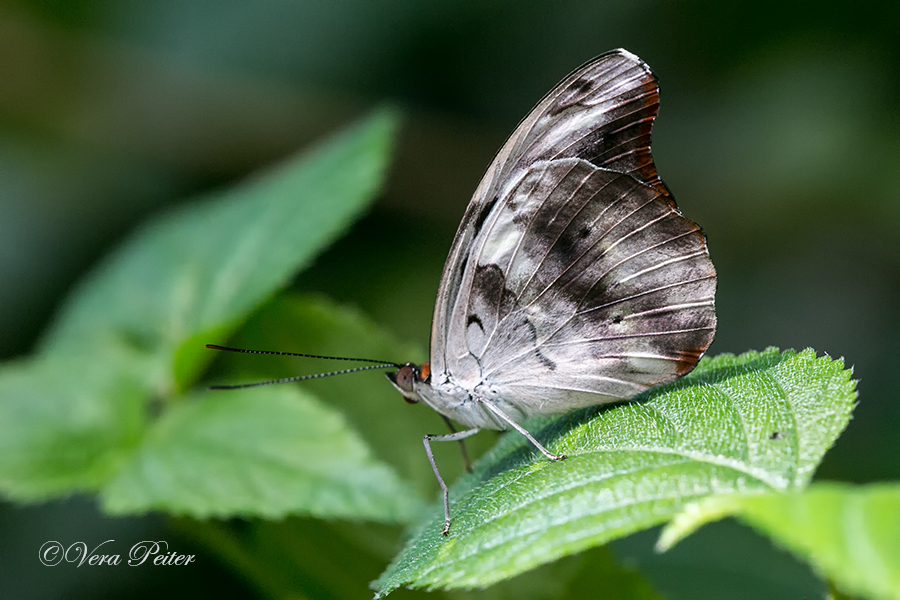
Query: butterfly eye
[404, 380]
[405, 377]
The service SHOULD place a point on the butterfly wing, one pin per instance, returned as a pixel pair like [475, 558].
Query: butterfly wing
[573, 280]
[603, 113]
[587, 288]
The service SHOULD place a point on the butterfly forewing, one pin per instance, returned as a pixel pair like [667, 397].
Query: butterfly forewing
[603, 113]
[573, 279]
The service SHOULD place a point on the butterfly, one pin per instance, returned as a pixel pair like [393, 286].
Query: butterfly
[573, 279]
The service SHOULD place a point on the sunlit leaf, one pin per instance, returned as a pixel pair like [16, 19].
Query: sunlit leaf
[745, 424]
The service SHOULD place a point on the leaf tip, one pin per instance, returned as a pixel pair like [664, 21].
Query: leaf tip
[381, 588]
[383, 125]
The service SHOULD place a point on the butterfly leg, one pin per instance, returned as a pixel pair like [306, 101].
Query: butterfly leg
[462, 444]
[523, 431]
[450, 437]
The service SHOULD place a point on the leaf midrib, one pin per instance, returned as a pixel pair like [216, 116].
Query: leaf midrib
[778, 483]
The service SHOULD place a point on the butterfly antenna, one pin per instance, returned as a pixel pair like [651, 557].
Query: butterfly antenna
[302, 377]
[382, 364]
[371, 360]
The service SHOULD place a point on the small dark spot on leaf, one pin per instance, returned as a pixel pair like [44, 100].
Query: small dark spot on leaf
[776, 435]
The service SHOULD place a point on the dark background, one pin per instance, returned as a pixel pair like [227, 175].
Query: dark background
[779, 132]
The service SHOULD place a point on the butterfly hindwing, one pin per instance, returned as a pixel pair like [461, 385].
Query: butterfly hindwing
[607, 291]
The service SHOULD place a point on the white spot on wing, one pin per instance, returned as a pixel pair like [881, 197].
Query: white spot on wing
[500, 245]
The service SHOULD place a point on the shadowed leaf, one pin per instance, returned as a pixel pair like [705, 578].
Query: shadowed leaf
[270, 451]
[850, 534]
[100, 407]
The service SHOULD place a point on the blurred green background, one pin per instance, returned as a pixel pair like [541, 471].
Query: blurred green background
[779, 132]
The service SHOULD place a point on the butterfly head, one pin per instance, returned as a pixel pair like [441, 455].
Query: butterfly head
[406, 378]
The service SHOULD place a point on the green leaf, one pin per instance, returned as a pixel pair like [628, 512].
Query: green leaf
[850, 534]
[200, 270]
[99, 408]
[746, 424]
[65, 423]
[270, 451]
